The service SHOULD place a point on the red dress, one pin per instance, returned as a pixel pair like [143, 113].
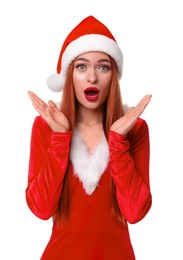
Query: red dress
[91, 232]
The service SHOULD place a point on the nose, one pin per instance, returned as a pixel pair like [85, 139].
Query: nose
[92, 76]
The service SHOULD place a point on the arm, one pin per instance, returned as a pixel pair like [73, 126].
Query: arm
[129, 164]
[49, 152]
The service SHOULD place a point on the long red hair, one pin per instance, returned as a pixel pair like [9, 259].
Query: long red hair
[113, 110]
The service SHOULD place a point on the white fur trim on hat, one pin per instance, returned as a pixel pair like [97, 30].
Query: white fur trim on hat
[83, 44]
[92, 42]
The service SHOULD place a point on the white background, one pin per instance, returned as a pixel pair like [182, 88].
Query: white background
[150, 34]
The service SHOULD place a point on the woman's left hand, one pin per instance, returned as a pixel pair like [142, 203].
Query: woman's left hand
[126, 122]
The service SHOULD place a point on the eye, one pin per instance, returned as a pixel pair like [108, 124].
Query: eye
[104, 68]
[81, 67]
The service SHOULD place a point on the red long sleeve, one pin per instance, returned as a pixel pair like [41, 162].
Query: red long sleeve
[49, 154]
[91, 230]
[129, 164]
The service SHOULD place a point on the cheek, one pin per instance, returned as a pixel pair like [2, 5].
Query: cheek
[77, 80]
[105, 92]
[77, 77]
[78, 90]
[107, 85]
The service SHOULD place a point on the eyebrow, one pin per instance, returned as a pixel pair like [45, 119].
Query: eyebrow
[86, 60]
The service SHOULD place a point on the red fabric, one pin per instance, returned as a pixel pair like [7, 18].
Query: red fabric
[89, 25]
[91, 233]
[129, 165]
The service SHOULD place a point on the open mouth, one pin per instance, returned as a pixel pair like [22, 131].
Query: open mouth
[91, 93]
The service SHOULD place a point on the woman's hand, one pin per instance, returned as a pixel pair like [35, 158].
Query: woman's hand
[126, 122]
[50, 113]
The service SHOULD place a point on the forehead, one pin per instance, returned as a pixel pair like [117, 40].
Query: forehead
[94, 55]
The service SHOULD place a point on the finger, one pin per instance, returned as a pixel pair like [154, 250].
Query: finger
[52, 105]
[31, 94]
[40, 106]
[135, 112]
[35, 98]
[130, 110]
[142, 104]
[38, 103]
[144, 100]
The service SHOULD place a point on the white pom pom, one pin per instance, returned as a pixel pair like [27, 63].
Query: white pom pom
[56, 82]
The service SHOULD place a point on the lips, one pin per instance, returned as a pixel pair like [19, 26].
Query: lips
[91, 94]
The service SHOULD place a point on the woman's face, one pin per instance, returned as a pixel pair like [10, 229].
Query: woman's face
[92, 79]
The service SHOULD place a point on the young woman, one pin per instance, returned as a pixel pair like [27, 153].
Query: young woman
[89, 160]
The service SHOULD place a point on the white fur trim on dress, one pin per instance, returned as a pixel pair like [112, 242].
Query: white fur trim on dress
[89, 167]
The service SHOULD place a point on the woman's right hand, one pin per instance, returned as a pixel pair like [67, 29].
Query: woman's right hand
[57, 121]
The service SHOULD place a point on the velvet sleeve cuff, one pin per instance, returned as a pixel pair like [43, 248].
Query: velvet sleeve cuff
[117, 141]
[60, 140]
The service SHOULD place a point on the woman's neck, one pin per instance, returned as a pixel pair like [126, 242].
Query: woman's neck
[90, 126]
[89, 117]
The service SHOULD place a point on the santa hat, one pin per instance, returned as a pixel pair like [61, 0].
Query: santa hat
[89, 35]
